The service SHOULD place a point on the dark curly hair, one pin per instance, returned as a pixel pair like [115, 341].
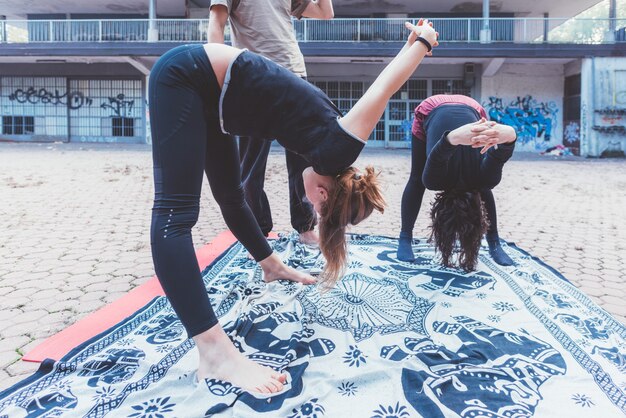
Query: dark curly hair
[458, 216]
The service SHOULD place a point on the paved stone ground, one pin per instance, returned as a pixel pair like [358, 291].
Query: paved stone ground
[75, 228]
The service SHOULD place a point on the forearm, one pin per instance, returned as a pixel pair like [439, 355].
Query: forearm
[216, 37]
[493, 163]
[216, 29]
[436, 170]
[399, 70]
[245, 228]
[505, 149]
[363, 117]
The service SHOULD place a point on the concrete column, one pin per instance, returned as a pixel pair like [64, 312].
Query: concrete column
[153, 32]
[546, 27]
[485, 32]
[148, 131]
[3, 29]
[610, 36]
[588, 137]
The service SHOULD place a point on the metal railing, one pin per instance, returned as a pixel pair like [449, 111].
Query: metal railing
[469, 30]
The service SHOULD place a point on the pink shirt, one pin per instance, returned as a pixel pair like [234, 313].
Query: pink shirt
[428, 105]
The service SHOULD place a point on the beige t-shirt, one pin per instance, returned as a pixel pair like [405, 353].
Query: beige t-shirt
[264, 27]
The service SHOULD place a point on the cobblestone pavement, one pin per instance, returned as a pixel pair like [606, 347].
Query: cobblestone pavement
[75, 228]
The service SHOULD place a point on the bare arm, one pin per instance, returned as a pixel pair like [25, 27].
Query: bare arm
[319, 9]
[363, 117]
[217, 23]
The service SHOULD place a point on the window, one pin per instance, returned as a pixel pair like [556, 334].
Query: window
[123, 126]
[412, 90]
[34, 106]
[107, 109]
[450, 87]
[18, 125]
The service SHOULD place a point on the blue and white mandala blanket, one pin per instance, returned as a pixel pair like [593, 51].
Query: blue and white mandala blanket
[392, 339]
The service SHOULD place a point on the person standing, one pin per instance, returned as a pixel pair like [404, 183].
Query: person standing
[265, 27]
[445, 158]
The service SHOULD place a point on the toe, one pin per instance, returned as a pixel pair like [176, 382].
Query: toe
[273, 386]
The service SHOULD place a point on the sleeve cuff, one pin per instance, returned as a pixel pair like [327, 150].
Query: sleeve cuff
[224, 3]
[445, 142]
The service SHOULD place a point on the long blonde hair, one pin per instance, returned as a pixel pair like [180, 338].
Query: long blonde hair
[352, 198]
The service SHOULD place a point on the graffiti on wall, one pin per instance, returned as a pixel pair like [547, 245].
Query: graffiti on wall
[119, 105]
[571, 134]
[32, 95]
[534, 121]
[611, 120]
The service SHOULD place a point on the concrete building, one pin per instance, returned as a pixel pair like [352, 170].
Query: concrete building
[78, 70]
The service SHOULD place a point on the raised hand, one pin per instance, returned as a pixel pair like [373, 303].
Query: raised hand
[424, 29]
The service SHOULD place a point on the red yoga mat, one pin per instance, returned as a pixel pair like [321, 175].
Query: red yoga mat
[97, 322]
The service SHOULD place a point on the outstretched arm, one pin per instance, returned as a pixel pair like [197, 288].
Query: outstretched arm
[363, 117]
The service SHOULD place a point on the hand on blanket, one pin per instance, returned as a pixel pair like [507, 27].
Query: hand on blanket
[274, 269]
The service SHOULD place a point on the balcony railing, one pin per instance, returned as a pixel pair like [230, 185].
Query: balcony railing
[468, 30]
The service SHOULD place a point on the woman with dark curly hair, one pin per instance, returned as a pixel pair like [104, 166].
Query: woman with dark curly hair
[457, 152]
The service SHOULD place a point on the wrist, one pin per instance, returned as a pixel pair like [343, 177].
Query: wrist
[425, 42]
[452, 138]
[511, 136]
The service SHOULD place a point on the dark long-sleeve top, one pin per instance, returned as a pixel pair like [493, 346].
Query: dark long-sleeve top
[460, 167]
[464, 168]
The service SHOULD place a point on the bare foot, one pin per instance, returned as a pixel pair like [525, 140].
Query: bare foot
[219, 359]
[274, 269]
[310, 238]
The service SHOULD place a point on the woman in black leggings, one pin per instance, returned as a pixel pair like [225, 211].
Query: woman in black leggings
[201, 93]
[447, 133]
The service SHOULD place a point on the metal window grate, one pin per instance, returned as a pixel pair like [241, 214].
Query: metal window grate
[18, 125]
[412, 90]
[55, 108]
[34, 106]
[451, 87]
[106, 109]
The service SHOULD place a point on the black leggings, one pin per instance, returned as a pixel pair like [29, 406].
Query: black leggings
[186, 143]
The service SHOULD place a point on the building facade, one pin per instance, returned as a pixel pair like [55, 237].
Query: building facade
[82, 75]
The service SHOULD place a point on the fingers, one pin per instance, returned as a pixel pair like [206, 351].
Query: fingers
[483, 140]
[424, 28]
[479, 128]
[486, 148]
[484, 133]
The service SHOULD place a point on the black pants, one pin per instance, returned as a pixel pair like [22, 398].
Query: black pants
[187, 143]
[253, 153]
